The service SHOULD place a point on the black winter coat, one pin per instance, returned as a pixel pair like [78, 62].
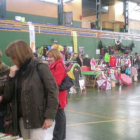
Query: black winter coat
[86, 62]
[36, 104]
[79, 61]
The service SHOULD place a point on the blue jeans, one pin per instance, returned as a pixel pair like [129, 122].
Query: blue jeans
[1, 124]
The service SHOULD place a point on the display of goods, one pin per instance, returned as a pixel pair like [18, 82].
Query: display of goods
[125, 79]
[9, 137]
[85, 68]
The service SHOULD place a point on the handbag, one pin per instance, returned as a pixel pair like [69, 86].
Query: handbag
[8, 126]
[67, 82]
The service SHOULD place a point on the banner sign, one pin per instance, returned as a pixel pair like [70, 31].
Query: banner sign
[32, 36]
[74, 34]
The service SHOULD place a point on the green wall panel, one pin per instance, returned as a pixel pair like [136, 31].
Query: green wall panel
[137, 47]
[33, 18]
[89, 44]
[41, 19]
[77, 23]
[7, 37]
[122, 30]
[46, 39]
[107, 29]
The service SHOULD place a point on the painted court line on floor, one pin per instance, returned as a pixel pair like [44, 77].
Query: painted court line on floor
[98, 122]
[90, 114]
[87, 98]
[109, 119]
[133, 97]
[85, 123]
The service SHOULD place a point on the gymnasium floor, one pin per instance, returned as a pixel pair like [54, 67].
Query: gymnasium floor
[104, 115]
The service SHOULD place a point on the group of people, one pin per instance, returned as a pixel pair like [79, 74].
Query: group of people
[31, 88]
[83, 62]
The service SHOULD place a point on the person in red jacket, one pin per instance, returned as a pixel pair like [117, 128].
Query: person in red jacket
[59, 72]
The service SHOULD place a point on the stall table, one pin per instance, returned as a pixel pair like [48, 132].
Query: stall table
[87, 75]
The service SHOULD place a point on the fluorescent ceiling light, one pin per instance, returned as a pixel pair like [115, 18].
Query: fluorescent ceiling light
[56, 1]
[50, 1]
[67, 0]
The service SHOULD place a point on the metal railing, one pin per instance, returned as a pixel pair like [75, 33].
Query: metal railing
[43, 28]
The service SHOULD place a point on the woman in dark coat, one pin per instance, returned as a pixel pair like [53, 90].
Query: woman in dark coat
[34, 98]
[86, 61]
[79, 59]
[59, 72]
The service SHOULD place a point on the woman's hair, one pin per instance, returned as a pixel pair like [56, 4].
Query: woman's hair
[20, 51]
[54, 53]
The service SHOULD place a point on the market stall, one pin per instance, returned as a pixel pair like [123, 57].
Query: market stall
[4, 136]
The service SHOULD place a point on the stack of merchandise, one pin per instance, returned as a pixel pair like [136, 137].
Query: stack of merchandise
[104, 82]
[9, 137]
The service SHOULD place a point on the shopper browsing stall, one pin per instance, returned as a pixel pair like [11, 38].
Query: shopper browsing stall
[59, 72]
[86, 61]
[34, 101]
[79, 59]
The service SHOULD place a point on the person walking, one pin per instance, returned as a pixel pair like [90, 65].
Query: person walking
[59, 72]
[34, 98]
[4, 71]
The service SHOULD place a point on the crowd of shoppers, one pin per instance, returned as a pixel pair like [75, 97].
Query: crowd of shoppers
[59, 72]
[31, 87]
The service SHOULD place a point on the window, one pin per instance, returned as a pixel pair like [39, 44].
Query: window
[134, 11]
[2, 9]
[68, 18]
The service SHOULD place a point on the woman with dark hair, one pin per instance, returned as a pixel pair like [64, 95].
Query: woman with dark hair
[34, 98]
[59, 72]
[79, 59]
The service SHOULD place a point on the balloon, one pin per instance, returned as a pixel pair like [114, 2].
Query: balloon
[49, 47]
[60, 48]
[119, 37]
[69, 50]
[55, 46]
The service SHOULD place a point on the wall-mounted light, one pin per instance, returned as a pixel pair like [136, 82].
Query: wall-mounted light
[55, 40]
[50, 1]
[67, 1]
